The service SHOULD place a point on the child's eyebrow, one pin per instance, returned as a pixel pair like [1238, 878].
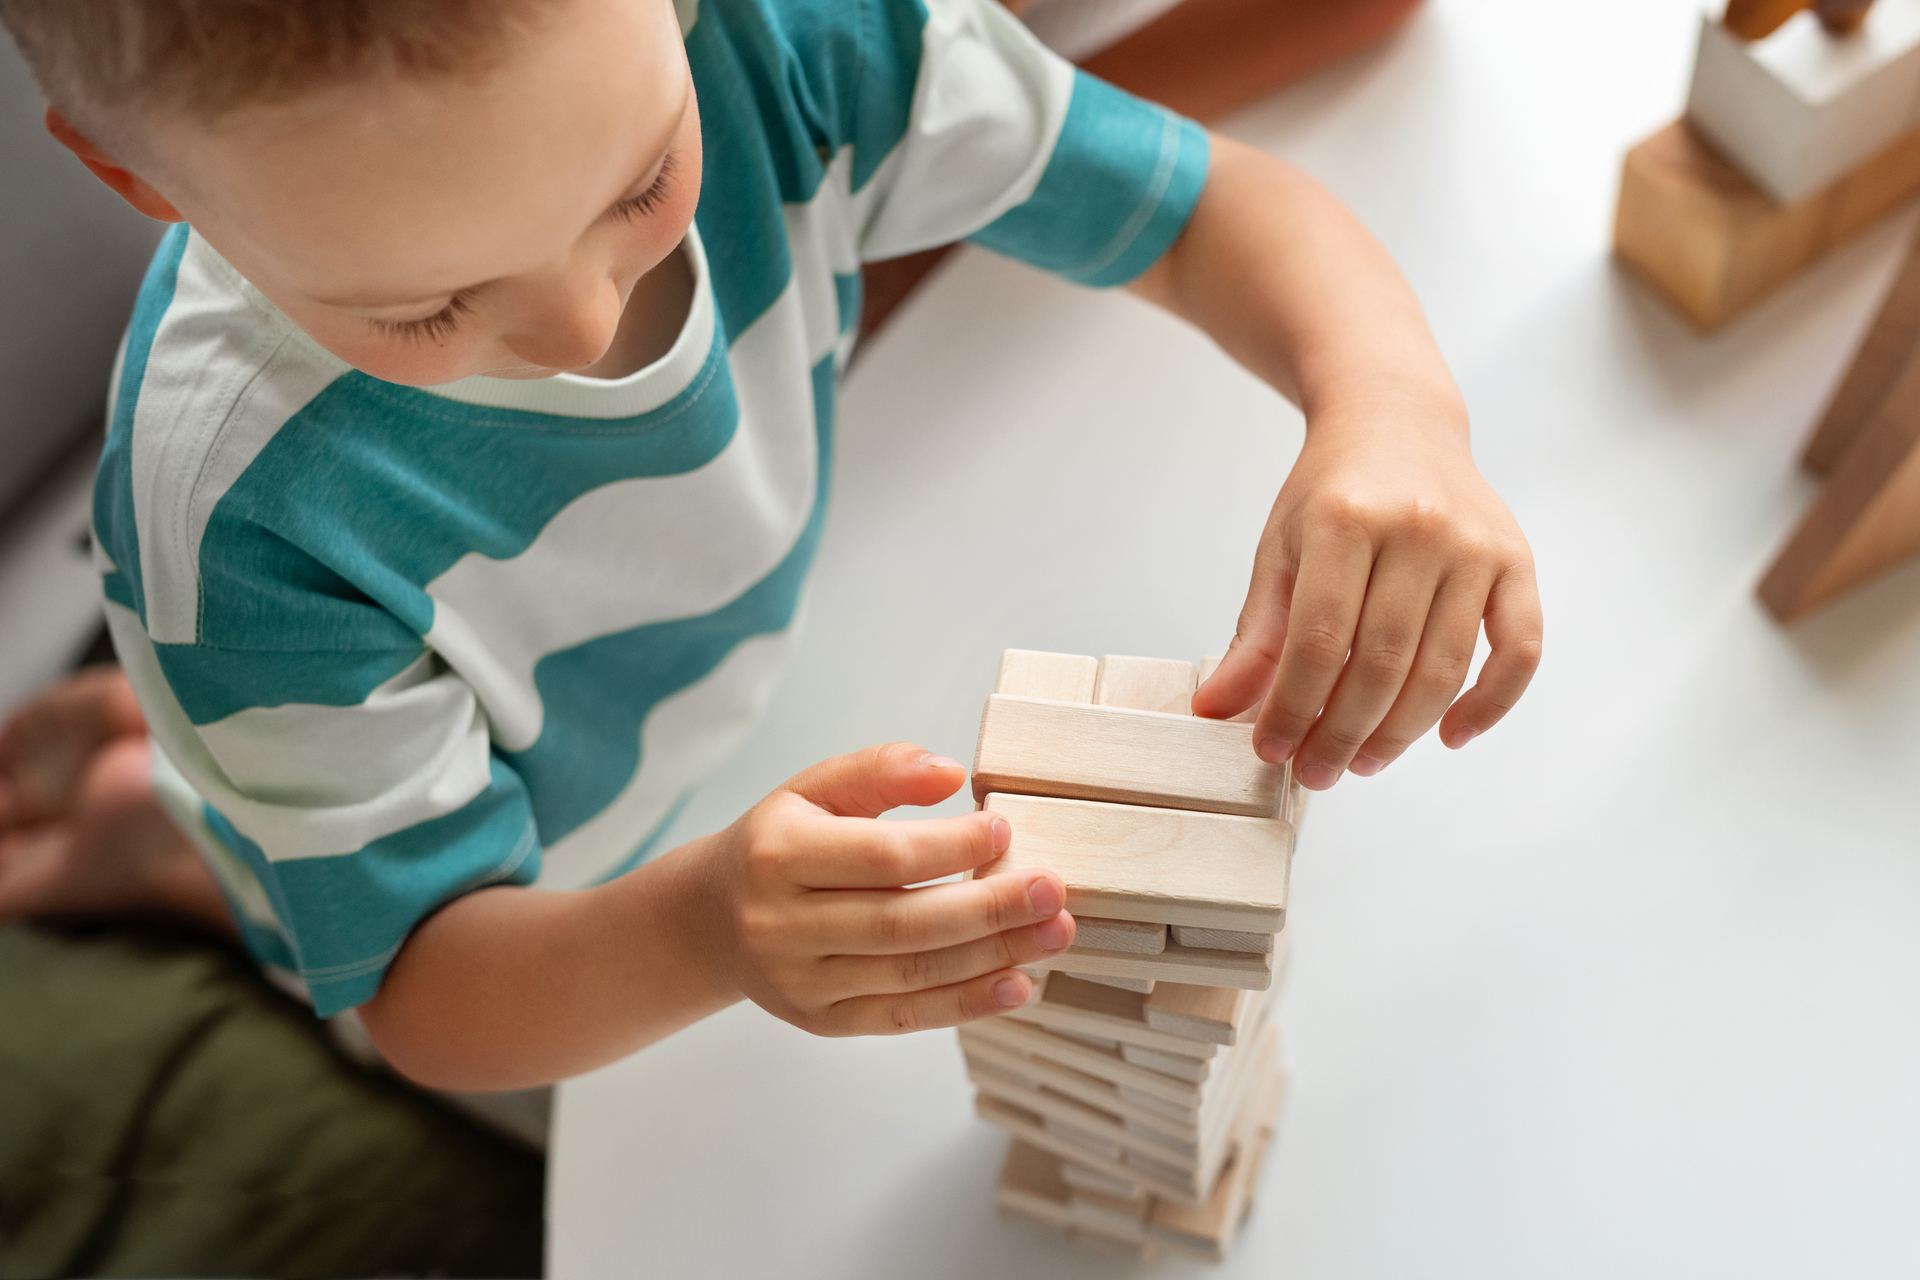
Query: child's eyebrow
[371, 302]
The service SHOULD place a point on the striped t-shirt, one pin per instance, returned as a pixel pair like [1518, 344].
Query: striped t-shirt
[398, 643]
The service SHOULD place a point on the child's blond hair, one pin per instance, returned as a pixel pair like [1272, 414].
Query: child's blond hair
[206, 58]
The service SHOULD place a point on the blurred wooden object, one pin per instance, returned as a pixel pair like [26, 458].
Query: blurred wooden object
[1713, 243]
[1867, 518]
[1757, 19]
[1802, 108]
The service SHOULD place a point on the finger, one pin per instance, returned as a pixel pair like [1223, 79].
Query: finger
[1399, 596]
[1514, 630]
[882, 1015]
[1334, 567]
[874, 922]
[1246, 672]
[822, 852]
[1440, 668]
[867, 783]
[847, 977]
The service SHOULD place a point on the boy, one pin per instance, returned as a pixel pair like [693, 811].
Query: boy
[469, 452]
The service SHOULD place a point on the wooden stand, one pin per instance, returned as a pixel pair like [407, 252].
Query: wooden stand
[1714, 244]
[1867, 518]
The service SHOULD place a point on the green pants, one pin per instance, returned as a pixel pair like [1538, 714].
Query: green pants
[166, 1112]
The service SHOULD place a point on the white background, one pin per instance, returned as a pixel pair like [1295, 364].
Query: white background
[1630, 986]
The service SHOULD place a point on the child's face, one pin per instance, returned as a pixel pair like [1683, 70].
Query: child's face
[426, 230]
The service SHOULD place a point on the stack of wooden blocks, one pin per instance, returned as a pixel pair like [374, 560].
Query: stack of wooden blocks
[1142, 1083]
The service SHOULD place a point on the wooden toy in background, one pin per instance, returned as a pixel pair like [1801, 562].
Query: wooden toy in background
[1142, 1083]
[1867, 446]
[1791, 144]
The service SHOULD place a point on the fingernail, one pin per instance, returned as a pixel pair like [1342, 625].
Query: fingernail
[1318, 777]
[1052, 935]
[1010, 993]
[1275, 750]
[931, 761]
[1461, 737]
[1365, 766]
[1045, 897]
[1002, 835]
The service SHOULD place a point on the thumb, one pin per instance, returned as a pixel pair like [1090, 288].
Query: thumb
[867, 783]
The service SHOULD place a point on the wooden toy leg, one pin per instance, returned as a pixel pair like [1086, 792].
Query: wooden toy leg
[1883, 354]
[1866, 519]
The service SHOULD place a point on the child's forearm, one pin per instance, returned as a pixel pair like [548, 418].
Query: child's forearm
[508, 987]
[1292, 286]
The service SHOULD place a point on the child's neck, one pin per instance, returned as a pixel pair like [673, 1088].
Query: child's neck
[656, 311]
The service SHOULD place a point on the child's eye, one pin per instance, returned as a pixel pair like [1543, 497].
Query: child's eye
[642, 205]
[429, 328]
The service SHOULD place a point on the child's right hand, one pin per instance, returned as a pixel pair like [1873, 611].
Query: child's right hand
[814, 926]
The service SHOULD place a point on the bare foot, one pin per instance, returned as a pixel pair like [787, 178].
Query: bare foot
[82, 834]
[46, 744]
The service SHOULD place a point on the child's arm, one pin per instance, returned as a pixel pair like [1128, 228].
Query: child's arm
[796, 906]
[1385, 548]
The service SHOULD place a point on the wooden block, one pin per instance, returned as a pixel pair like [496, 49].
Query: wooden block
[1026, 1126]
[1146, 684]
[1146, 1101]
[1185, 965]
[1114, 1210]
[1030, 1178]
[1207, 667]
[1187, 935]
[1087, 1132]
[1064, 677]
[1100, 1042]
[1209, 1229]
[1119, 981]
[1162, 866]
[1883, 353]
[1135, 936]
[1193, 1069]
[1082, 1177]
[1199, 1013]
[1101, 1095]
[1185, 1144]
[1033, 1042]
[1086, 1139]
[1797, 110]
[1867, 517]
[1713, 243]
[1035, 747]
[1068, 1004]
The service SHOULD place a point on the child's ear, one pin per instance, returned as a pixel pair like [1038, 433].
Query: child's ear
[129, 185]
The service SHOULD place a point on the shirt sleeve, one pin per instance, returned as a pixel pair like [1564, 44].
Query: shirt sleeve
[340, 795]
[1008, 145]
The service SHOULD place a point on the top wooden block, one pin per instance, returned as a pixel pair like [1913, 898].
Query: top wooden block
[1030, 746]
[1146, 684]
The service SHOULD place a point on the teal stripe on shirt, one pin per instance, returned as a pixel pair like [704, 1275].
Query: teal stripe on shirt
[1117, 192]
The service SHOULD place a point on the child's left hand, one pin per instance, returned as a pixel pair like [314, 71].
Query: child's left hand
[1383, 554]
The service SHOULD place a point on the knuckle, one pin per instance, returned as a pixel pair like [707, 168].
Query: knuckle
[892, 855]
[906, 1014]
[1319, 646]
[920, 970]
[1384, 661]
[901, 928]
[1342, 511]
[1348, 739]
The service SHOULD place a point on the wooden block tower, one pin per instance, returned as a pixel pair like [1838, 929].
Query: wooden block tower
[1142, 1083]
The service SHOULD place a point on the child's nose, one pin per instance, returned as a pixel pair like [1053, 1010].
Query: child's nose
[572, 328]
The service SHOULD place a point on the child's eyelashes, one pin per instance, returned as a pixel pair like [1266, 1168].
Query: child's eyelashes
[430, 328]
[652, 198]
[445, 321]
